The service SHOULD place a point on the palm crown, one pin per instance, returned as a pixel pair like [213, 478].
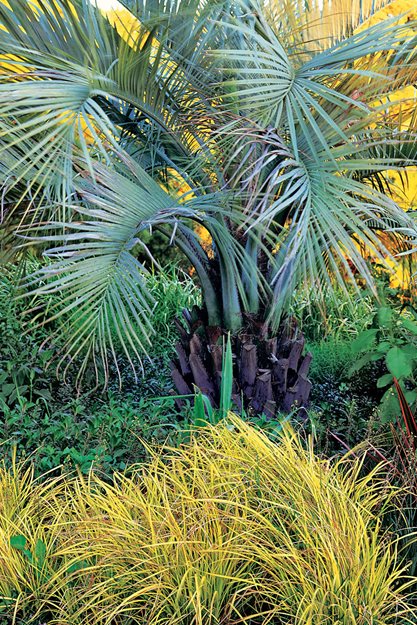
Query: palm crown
[225, 114]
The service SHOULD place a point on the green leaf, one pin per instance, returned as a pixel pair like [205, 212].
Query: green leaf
[384, 315]
[390, 407]
[409, 325]
[364, 341]
[361, 362]
[384, 380]
[40, 552]
[411, 396]
[410, 350]
[398, 362]
[77, 566]
[7, 389]
[18, 542]
[383, 347]
[199, 413]
[227, 380]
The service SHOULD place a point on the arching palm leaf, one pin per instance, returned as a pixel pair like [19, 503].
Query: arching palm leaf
[104, 295]
[264, 134]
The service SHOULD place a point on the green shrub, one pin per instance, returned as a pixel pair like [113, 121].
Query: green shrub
[391, 340]
[173, 290]
[342, 406]
[337, 316]
[23, 358]
[108, 434]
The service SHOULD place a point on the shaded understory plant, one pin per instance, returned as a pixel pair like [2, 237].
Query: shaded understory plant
[399, 455]
[54, 427]
[391, 340]
[231, 528]
[215, 117]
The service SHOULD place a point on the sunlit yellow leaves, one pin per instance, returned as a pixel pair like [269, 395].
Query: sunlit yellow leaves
[325, 21]
[405, 8]
[227, 528]
[403, 187]
[126, 24]
[402, 276]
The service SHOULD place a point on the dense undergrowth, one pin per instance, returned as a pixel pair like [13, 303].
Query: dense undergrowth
[46, 419]
[65, 536]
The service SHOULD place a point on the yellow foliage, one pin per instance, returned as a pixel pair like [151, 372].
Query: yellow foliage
[229, 528]
[327, 20]
[126, 24]
[405, 8]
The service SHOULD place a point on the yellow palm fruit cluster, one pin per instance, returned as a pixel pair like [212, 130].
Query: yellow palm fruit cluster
[231, 528]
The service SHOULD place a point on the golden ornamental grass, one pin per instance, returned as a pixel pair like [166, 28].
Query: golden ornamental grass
[231, 528]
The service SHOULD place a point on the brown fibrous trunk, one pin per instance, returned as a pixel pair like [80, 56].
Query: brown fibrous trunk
[270, 373]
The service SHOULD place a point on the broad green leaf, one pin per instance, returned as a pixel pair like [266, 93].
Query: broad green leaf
[398, 362]
[18, 542]
[364, 341]
[384, 315]
[40, 552]
[77, 566]
[409, 325]
[383, 347]
[384, 380]
[390, 406]
[411, 396]
[410, 350]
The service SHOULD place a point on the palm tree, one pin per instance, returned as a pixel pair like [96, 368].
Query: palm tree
[223, 114]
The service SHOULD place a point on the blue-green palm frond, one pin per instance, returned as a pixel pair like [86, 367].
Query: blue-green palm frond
[84, 88]
[92, 264]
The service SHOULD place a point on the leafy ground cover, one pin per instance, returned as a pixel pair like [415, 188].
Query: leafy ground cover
[54, 431]
[54, 425]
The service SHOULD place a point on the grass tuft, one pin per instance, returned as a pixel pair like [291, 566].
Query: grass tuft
[231, 528]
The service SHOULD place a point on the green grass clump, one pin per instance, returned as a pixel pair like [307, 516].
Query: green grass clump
[336, 316]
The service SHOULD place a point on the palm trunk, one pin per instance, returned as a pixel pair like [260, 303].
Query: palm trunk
[270, 374]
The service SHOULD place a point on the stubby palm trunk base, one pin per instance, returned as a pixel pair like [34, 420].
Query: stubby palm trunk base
[270, 374]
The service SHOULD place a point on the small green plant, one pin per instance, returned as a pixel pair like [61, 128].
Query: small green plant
[342, 405]
[47, 422]
[23, 357]
[202, 411]
[392, 338]
[36, 557]
[108, 433]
